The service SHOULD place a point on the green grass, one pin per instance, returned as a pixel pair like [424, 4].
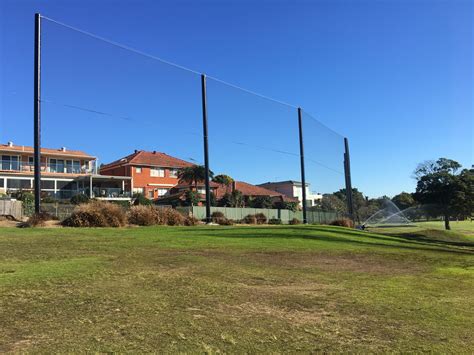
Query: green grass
[235, 289]
[464, 227]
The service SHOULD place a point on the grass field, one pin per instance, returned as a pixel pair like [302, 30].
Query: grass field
[235, 289]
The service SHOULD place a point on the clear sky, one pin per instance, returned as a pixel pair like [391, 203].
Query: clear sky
[395, 77]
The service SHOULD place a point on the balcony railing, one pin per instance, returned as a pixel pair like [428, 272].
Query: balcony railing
[107, 192]
[20, 166]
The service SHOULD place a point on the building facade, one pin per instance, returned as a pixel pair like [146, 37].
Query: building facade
[64, 173]
[152, 174]
[294, 189]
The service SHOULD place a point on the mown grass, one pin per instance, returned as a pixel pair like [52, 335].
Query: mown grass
[235, 289]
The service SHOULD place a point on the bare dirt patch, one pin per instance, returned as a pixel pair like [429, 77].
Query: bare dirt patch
[355, 262]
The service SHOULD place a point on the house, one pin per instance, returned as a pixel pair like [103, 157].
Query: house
[64, 173]
[294, 189]
[252, 191]
[153, 174]
[177, 194]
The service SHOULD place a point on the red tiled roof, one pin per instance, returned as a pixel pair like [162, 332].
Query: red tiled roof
[45, 151]
[183, 185]
[142, 157]
[252, 190]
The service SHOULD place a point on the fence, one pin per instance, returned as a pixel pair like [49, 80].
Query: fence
[125, 100]
[11, 208]
[59, 210]
[237, 214]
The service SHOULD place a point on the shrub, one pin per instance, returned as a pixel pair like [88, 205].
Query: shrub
[38, 219]
[294, 221]
[190, 221]
[250, 219]
[219, 218]
[143, 215]
[343, 222]
[79, 199]
[96, 214]
[170, 217]
[226, 222]
[28, 200]
[140, 199]
[261, 218]
[274, 221]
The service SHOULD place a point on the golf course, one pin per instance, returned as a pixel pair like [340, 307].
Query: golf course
[237, 289]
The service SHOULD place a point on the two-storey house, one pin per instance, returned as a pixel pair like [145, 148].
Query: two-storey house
[64, 173]
[152, 174]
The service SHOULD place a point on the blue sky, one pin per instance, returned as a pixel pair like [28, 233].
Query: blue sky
[396, 77]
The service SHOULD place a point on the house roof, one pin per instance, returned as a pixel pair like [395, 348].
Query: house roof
[185, 185]
[291, 182]
[141, 157]
[46, 151]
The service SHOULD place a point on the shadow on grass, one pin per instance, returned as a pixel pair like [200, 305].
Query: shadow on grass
[346, 236]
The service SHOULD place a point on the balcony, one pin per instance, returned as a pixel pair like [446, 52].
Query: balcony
[107, 192]
[23, 167]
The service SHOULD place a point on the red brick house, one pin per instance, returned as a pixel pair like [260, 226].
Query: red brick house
[152, 173]
[249, 190]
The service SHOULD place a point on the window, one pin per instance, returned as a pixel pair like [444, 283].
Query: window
[56, 165]
[31, 161]
[157, 172]
[10, 162]
[201, 190]
[138, 170]
[162, 192]
[2, 182]
[73, 166]
[174, 173]
[18, 184]
[47, 184]
[151, 194]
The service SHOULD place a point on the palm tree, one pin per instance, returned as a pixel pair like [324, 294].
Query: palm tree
[194, 174]
[223, 179]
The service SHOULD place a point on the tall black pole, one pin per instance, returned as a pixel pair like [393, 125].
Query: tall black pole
[206, 147]
[347, 173]
[37, 114]
[303, 177]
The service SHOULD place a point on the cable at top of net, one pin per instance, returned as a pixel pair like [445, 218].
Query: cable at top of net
[136, 51]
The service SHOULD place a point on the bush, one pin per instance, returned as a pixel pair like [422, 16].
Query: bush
[140, 199]
[170, 217]
[226, 222]
[143, 215]
[190, 221]
[294, 221]
[96, 214]
[28, 200]
[274, 221]
[219, 218]
[250, 219]
[343, 222]
[79, 199]
[261, 218]
[38, 219]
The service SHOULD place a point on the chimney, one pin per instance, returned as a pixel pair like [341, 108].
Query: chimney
[234, 186]
[10, 144]
[63, 149]
[154, 152]
[136, 151]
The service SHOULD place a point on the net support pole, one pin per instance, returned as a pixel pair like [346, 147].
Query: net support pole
[37, 114]
[303, 176]
[347, 174]
[206, 148]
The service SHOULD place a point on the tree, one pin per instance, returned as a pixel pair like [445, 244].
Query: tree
[358, 200]
[286, 205]
[404, 200]
[192, 198]
[223, 179]
[332, 203]
[193, 174]
[262, 202]
[233, 199]
[440, 184]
